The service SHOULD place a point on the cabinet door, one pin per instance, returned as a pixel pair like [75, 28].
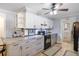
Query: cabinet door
[37, 45]
[38, 22]
[13, 50]
[26, 49]
[53, 39]
[21, 20]
[30, 20]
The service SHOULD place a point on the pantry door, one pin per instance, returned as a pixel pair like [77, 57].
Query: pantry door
[2, 25]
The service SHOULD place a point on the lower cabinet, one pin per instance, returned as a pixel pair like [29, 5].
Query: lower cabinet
[13, 50]
[32, 47]
[53, 39]
[26, 51]
[24, 48]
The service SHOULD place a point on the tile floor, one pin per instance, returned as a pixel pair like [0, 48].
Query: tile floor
[67, 49]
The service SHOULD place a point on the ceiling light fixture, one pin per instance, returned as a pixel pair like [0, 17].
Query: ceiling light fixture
[55, 12]
[51, 13]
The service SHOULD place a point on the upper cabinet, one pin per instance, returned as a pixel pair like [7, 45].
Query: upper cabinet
[30, 20]
[21, 17]
[36, 21]
[27, 19]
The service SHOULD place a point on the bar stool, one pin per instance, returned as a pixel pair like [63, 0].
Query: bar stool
[3, 49]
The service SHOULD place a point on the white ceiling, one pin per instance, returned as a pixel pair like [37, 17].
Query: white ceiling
[37, 7]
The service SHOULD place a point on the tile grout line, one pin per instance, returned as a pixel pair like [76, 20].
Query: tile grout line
[57, 51]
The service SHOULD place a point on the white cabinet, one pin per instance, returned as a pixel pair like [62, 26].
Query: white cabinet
[38, 21]
[37, 45]
[20, 21]
[21, 17]
[13, 50]
[34, 46]
[26, 48]
[53, 39]
[27, 19]
[30, 20]
[34, 20]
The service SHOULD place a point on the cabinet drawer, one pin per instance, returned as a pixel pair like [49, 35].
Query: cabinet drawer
[26, 51]
[39, 48]
[36, 49]
[13, 50]
[37, 43]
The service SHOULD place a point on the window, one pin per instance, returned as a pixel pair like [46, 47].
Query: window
[66, 26]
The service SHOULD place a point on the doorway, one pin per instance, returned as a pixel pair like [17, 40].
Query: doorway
[67, 31]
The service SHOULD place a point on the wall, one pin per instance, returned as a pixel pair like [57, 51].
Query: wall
[10, 22]
[2, 25]
[56, 28]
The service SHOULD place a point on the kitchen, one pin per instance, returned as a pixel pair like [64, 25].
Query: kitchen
[27, 30]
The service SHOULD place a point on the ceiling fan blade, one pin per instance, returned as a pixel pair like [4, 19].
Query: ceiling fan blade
[62, 9]
[46, 13]
[45, 9]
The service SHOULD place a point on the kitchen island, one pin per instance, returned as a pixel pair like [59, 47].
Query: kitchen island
[24, 46]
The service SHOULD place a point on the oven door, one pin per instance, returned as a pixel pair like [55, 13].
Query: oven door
[47, 41]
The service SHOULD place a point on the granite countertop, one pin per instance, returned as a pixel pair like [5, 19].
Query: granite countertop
[16, 40]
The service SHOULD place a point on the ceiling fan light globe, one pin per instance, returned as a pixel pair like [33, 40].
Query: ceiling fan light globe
[51, 13]
[55, 12]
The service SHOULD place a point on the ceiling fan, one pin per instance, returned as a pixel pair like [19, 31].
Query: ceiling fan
[54, 7]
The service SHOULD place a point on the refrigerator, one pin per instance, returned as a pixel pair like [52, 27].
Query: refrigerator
[75, 35]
